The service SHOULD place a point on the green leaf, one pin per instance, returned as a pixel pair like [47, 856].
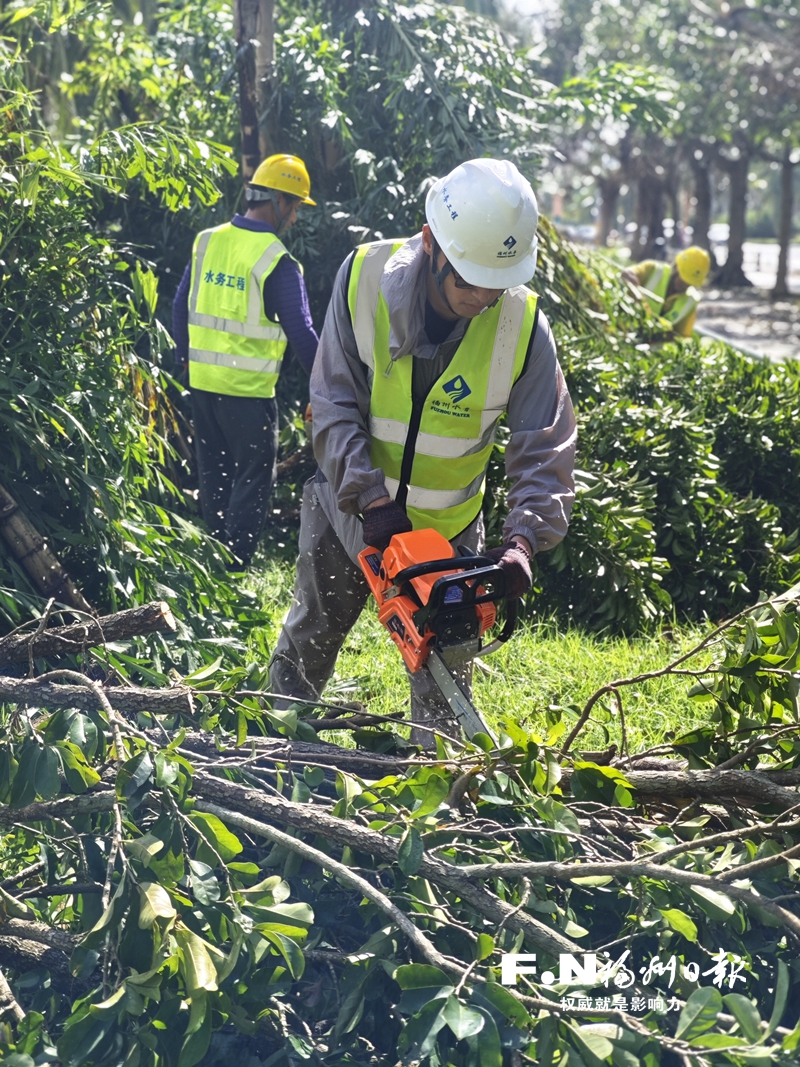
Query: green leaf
[199, 970]
[204, 885]
[594, 1048]
[680, 922]
[226, 843]
[700, 1012]
[484, 947]
[418, 1038]
[195, 1046]
[144, 847]
[48, 783]
[435, 792]
[746, 1015]
[781, 996]
[462, 1020]
[505, 1001]
[490, 1053]
[155, 903]
[133, 779]
[410, 853]
[203, 673]
[289, 949]
[23, 788]
[77, 771]
[716, 905]
[420, 975]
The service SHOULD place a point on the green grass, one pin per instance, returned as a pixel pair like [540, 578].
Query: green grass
[541, 666]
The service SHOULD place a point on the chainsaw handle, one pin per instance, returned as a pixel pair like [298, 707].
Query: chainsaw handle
[432, 566]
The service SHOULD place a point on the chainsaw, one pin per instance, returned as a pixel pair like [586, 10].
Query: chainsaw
[437, 605]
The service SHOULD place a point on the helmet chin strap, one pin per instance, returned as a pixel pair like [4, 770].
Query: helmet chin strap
[439, 277]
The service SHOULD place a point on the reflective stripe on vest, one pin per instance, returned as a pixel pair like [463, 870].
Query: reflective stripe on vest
[460, 415]
[234, 348]
[656, 285]
[681, 308]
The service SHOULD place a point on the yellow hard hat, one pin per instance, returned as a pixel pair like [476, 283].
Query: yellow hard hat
[693, 265]
[286, 174]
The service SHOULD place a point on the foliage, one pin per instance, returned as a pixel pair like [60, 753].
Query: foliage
[210, 934]
[688, 457]
[84, 412]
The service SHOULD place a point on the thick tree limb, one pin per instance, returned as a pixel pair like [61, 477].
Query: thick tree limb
[237, 798]
[68, 807]
[39, 932]
[17, 954]
[30, 692]
[759, 786]
[69, 640]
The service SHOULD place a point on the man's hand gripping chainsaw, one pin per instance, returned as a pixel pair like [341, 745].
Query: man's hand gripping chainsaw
[437, 606]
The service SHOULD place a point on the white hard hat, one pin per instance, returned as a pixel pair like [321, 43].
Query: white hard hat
[484, 218]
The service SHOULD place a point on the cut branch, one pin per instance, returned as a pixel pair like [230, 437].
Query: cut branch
[78, 637]
[245, 801]
[32, 552]
[31, 692]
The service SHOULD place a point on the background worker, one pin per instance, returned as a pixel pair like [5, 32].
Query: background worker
[427, 343]
[671, 293]
[241, 298]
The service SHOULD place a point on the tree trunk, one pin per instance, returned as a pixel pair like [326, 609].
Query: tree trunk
[71, 640]
[785, 222]
[30, 550]
[608, 187]
[253, 22]
[701, 224]
[731, 273]
[649, 243]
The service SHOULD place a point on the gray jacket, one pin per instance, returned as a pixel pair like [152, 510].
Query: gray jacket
[539, 457]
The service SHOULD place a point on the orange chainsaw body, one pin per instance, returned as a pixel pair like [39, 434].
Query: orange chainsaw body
[397, 607]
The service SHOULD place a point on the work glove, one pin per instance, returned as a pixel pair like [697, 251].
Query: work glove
[382, 523]
[514, 561]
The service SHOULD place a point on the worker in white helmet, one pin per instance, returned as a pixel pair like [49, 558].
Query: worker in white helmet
[427, 343]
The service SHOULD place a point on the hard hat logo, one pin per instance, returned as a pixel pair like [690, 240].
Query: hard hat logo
[457, 389]
[510, 242]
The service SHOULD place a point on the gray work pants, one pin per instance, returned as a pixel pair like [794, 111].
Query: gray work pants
[329, 594]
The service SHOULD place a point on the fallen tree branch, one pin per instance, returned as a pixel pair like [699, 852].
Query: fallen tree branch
[155, 617]
[64, 808]
[39, 932]
[21, 955]
[23, 875]
[238, 799]
[709, 784]
[566, 872]
[425, 948]
[32, 692]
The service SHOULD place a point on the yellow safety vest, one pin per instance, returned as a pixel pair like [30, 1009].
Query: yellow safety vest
[233, 347]
[656, 285]
[680, 311]
[435, 462]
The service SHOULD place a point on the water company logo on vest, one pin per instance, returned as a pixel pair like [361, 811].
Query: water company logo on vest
[508, 244]
[457, 389]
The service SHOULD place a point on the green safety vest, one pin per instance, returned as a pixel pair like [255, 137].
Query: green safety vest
[437, 467]
[233, 347]
[656, 285]
[680, 309]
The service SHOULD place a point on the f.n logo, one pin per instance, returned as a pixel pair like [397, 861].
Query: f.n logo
[457, 389]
